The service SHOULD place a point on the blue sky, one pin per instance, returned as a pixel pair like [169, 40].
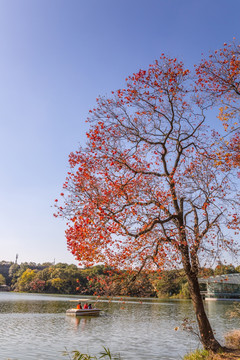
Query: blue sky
[57, 56]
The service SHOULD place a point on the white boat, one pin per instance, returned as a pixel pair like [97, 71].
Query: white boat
[83, 312]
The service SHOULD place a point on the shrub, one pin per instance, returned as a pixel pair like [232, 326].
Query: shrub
[76, 355]
[234, 312]
[197, 355]
[232, 339]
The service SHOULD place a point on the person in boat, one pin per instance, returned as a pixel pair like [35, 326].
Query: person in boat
[85, 306]
[79, 306]
[90, 306]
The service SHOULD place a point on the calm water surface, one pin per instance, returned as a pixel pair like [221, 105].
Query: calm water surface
[36, 327]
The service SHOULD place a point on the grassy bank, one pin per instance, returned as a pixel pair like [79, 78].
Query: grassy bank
[206, 355]
[232, 342]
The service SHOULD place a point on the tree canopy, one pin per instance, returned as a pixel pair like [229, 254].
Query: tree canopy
[219, 84]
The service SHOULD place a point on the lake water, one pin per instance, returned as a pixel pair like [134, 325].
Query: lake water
[36, 327]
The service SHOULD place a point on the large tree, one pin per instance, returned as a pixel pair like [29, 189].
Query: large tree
[145, 192]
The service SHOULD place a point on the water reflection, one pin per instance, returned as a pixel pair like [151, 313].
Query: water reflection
[37, 326]
[79, 322]
[32, 307]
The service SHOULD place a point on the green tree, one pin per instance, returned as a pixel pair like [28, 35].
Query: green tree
[221, 269]
[170, 283]
[62, 278]
[2, 280]
[24, 281]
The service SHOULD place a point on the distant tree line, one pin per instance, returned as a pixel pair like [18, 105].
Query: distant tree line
[99, 280]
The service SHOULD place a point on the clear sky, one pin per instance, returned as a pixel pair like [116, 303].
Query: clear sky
[56, 57]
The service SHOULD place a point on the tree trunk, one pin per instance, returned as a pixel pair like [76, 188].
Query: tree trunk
[206, 334]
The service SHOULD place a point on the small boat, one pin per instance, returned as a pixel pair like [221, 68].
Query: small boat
[83, 312]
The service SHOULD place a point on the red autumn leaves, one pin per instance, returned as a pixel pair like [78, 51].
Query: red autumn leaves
[147, 187]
